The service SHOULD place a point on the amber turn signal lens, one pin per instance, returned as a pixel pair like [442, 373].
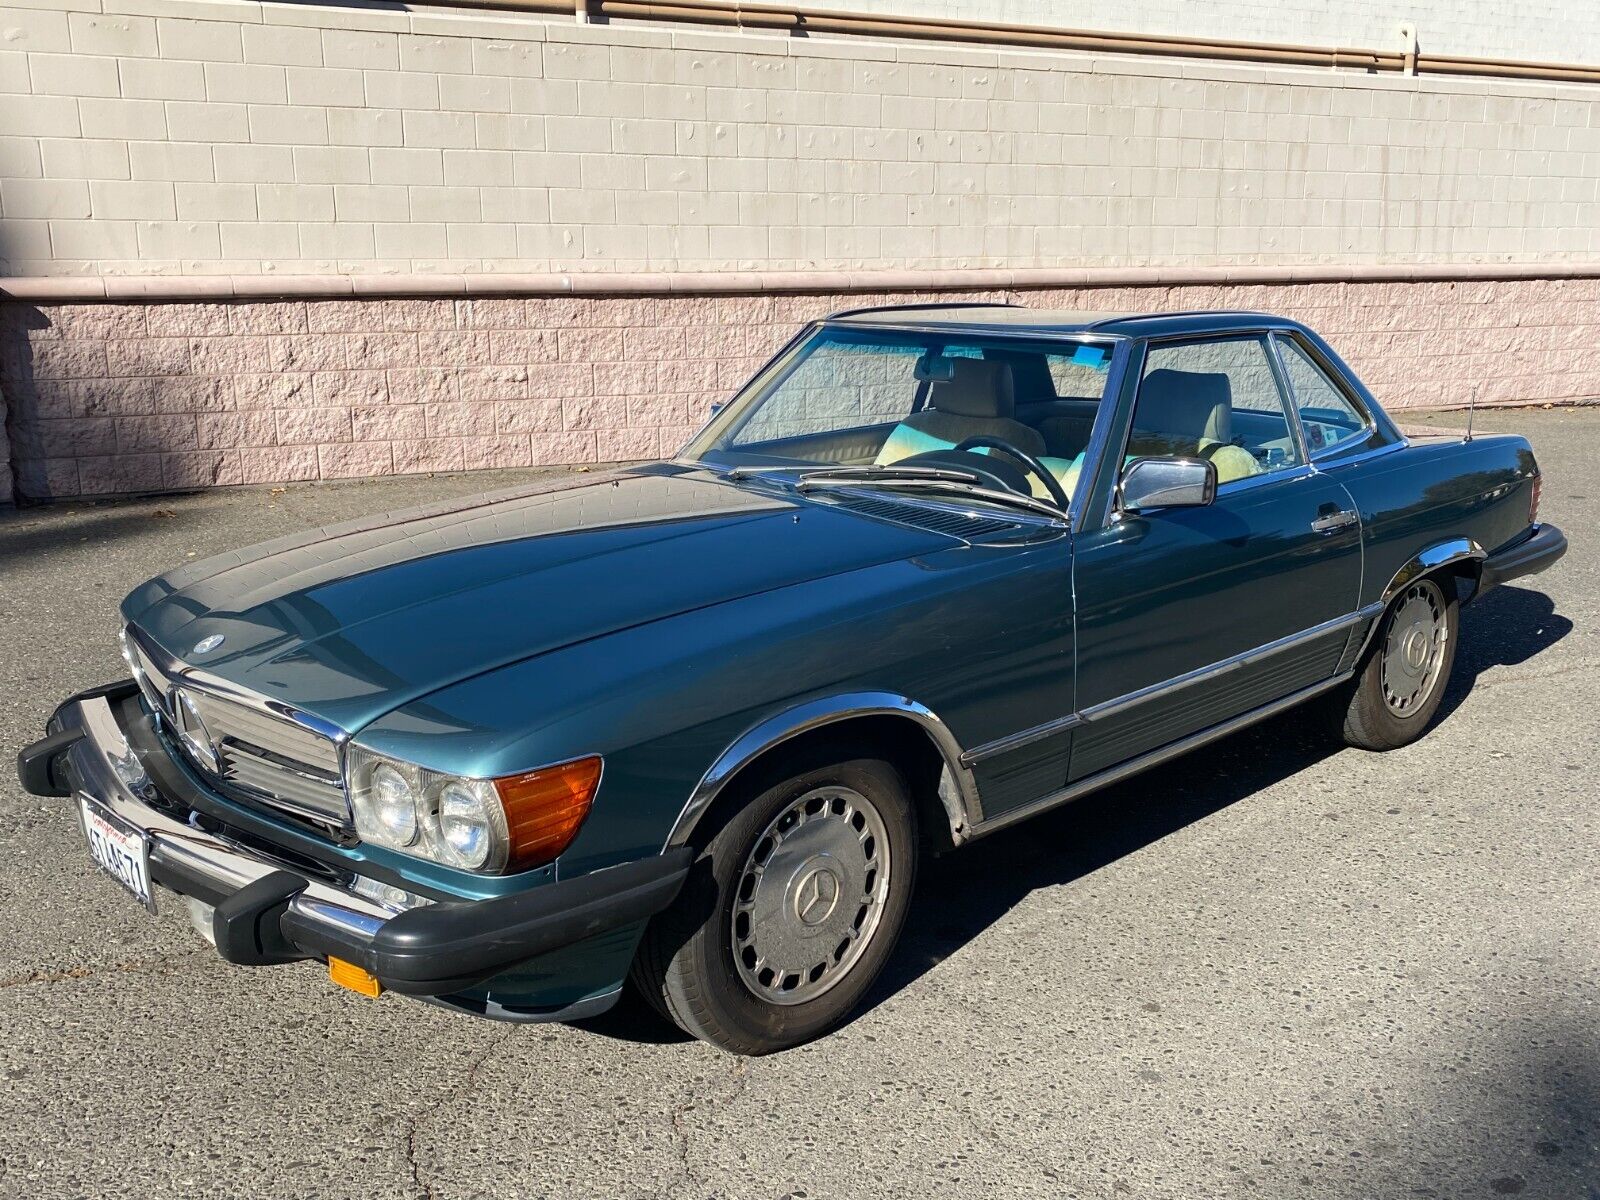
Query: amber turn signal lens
[544, 808]
[348, 975]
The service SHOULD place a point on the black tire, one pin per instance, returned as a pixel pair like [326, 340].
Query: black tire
[686, 964]
[1380, 712]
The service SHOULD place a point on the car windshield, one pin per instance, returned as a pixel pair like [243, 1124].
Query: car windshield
[863, 397]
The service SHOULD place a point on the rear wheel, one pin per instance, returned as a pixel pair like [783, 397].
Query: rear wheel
[793, 906]
[1401, 681]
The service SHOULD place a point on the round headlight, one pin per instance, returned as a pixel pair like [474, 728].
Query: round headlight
[394, 806]
[466, 825]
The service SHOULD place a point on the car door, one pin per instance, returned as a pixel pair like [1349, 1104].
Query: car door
[1187, 617]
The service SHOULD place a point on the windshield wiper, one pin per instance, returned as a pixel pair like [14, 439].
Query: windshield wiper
[891, 472]
[856, 472]
[923, 479]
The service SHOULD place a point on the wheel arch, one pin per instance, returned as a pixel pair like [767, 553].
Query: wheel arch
[915, 737]
[1461, 557]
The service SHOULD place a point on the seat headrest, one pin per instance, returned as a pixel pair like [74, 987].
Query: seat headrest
[1187, 404]
[976, 388]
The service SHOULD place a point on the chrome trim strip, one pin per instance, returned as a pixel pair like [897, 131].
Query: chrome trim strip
[1017, 741]
[109, 770]
[1010, 500]
[959, 798]
[1154, 757]
[1108, 708]
[1440, 554]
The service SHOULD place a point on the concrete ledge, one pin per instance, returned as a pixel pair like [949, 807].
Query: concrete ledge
[178, 288]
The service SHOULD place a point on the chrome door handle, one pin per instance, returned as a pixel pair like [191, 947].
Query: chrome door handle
[1336, 521]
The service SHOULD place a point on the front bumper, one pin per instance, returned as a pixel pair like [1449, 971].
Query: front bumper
[269, 912]
[1540, 549]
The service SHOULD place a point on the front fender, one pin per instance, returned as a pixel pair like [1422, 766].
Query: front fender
[958, 792]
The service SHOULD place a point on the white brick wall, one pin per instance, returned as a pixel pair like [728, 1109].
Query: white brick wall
[295, 139]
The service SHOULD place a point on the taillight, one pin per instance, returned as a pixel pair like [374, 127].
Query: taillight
[1533, 500]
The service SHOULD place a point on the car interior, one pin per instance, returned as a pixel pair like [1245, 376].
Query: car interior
[1015, 395]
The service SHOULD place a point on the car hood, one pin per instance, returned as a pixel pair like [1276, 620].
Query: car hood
[352, 621]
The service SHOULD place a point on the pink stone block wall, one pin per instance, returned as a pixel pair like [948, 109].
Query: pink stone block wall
[129, 398]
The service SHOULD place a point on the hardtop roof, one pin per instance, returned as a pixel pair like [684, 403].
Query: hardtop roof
[1013, 318]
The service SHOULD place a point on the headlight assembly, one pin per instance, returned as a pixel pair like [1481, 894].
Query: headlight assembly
[485, 825]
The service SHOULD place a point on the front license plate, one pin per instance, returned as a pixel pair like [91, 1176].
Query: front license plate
[118, 849]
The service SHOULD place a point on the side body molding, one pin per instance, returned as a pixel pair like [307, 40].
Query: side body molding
[958, 791]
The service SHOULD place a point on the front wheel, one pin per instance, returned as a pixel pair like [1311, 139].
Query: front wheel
[792, 908]
[1402, 679]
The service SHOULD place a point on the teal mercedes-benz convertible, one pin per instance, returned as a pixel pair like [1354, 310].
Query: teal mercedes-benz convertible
[693, 723]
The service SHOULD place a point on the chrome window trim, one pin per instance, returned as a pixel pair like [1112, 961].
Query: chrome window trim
[1339, 384]
[958, 791]
[1336, 461]
[1155, 691]
[1263, 335]
[1233, 487]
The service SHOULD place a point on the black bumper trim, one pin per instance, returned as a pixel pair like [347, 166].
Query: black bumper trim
[435, 949]
[1540, 549]
[40, 767]
[268, 910]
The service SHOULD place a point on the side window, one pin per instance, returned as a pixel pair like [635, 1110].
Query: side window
[1329, 417]
[1218, 400]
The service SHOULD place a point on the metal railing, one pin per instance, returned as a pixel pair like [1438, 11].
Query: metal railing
[799, 22]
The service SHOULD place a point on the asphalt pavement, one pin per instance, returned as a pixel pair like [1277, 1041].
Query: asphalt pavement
[1272, 968]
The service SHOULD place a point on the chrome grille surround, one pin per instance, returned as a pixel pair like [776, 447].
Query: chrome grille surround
[267, 751]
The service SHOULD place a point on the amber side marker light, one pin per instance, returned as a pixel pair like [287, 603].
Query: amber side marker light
[348, 975]
[545, 808]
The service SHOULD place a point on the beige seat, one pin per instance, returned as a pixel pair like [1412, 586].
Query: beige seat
[1189, 414]
[976, 400]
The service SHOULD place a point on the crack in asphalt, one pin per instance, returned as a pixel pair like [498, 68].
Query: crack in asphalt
[413, 1125]
[739, 1077]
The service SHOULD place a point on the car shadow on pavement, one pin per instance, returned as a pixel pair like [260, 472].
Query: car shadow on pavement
[961, 895]
[1506, 628]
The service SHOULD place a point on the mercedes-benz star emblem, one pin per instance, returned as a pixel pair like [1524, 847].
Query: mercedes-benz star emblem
[207, 644]
[817, 895]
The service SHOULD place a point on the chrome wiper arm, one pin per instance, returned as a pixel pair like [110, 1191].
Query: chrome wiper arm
[891, 472]
[926, 483]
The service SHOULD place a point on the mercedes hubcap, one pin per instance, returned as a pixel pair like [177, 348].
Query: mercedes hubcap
[810, 895]
[1414, 649]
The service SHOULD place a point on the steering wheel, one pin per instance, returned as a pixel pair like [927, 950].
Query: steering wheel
[1033, 466]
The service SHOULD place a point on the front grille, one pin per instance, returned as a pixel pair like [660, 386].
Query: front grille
[273, 757]
[264, 755]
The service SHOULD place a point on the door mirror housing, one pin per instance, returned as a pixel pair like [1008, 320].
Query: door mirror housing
[1150, 483]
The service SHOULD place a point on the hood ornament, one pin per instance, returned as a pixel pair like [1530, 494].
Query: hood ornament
[207, 644]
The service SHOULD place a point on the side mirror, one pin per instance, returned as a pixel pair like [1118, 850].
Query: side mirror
[718, 406]
[1168, 483]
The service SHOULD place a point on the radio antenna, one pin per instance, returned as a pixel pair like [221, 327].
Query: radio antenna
[1472, 407]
